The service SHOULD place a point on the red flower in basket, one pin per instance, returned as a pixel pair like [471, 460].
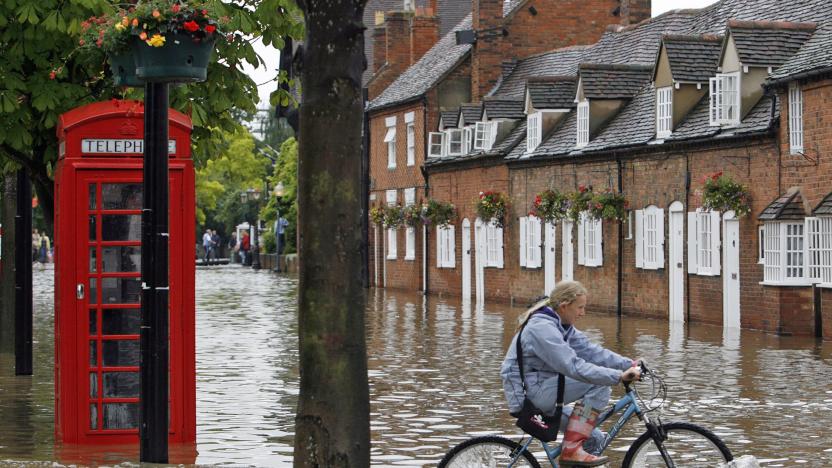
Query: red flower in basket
[582, 188]
[190, 26]
[210, 28]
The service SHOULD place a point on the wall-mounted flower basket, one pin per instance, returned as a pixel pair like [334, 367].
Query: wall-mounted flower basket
[722, 193]
[377, 214]
[393, 217]
[178, 57]
[411, 215]
[579, 202]
[124, 70]
[438, 213]
[550, 205]
[608, 205]
[492, 206]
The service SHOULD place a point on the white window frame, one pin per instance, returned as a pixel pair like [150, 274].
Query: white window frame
[436, 144]
[534, 125]
[761, 244]
[445, 247]
[411, 144]
[484, 135]
[664, 112]
[582, 138]
[725, 103]
[650, 238]
[468, 139]
[409, 5]
[410, 232]
[704, 228]
[530, 242]
[390, 140]
[392, 241]
[795, 119]
[454, 141]
[630, 221]
[493, 245]
[786, 253]
[820, 250]
[590, 241]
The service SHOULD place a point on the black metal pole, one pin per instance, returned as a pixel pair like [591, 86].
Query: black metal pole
[255, 248]
[277, 229]
[23, 277]
[153, 407]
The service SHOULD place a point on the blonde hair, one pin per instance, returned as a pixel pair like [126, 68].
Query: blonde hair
[564, 293]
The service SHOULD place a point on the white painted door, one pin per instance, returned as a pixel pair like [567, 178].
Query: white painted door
[566, 256]
[549, 259]
[479, 260]
[676, 263]
[731, 271]
[466, 260]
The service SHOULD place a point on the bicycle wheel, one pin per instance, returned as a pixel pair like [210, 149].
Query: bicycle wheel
[487, 451]
[687, 444]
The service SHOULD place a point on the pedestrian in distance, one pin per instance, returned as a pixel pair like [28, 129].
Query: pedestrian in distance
[245, 245]
[282, 223]
[35, 244]
[216, 243]
[233, 246]
[206, 246]
[552, 345]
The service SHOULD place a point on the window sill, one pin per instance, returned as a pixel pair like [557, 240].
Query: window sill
[410, 259]
[391, 168]
[390, 258]
[824, 285]
[784, 284]
[445, 267]
[705, 274]
[523, 267]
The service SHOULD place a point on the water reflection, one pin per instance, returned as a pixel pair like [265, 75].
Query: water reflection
[434, 379]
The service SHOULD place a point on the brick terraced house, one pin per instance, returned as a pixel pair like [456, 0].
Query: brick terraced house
[650, 108]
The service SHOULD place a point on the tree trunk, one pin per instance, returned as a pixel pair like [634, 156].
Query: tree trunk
[8, 186]
[332, 423]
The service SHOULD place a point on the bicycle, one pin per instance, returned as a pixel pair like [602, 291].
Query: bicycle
[673, 444]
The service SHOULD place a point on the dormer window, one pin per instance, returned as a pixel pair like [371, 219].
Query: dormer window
[436, 144]
[535, 122]
[725, 99]
[583, 124]
[467, 139]
[409, 5]
[455, 142]
[664, 112]
[484, 135]
[795, 119]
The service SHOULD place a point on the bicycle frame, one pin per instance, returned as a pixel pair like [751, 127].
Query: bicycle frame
[628, 404]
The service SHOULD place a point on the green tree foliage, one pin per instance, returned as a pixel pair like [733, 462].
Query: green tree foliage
[285, 171]
[221, 180]
[42, 75]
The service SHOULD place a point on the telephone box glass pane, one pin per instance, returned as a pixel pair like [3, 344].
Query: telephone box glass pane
[121, 290]
[121, 259]
[93, 353]
[93, 263]
[93, 322]
[92, 228]
[121, 415]
[93, 385]
[121, 385]
[93, 297]
[121, 321]
[93, 417]
[121, 196]
[121, 227]
[120, 353]
[92, 196]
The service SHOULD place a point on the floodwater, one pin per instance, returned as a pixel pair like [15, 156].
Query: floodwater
[434, 379]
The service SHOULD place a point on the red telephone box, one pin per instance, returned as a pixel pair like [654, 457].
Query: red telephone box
[98, 201]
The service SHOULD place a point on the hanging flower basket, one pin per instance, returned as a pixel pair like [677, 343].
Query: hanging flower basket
[550, 206]
[492, 206]
[172, 57]
[578, 202]
[722, 193]
[377, 214]
[393, 217]
[608, 205]
[124, 70]
[438, 213]
[411, 215]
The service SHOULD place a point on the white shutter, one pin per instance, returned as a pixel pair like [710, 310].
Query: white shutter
[660, 238]
[440, 247]
[535, 227]
[523, 232]
[451, 247]
[716, 229]
[567, 252]
[492, 135]
[716, 100]
[499, 247]
[410, 244]
[693, 252]
[812, 251]
[599, 242]
[581, 238]
[392, 244]
[639, 239]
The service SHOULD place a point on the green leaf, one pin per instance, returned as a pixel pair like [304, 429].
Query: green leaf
[51, 21]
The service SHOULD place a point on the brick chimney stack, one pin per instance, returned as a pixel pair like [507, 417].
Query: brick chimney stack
[424, 33]
[379, 46]
[489, 49]
[398, 40]
[635, 11]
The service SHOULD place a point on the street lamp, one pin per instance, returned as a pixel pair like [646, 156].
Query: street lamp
[279, 190]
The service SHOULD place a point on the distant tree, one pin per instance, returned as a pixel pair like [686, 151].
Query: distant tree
[333, 418]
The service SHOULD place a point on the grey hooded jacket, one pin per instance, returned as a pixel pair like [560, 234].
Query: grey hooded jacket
[550, 348]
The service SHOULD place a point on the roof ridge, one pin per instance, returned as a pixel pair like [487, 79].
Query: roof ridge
[615, 66]
[617, 28]
[693, 37]
[765, 24]
[551, 79]
[501, 98]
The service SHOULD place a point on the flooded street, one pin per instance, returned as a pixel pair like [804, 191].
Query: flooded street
[434, 378]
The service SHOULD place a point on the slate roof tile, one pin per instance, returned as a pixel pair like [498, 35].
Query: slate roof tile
[629, 127]
[824, 208]
[450, 118]
[552, 92]
[471, 113]
[427, 72]
[693, 59]
[604, 81]
[561, 62]
[815, 55]
[788, 206]
[768, 43]
[501, 108]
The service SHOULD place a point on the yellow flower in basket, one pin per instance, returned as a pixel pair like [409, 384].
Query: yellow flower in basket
[156, 41]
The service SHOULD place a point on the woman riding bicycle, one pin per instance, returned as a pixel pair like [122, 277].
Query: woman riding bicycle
[552, 345]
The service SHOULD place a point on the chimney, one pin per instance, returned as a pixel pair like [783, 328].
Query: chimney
[398, 41]
[490, 48]
[424, 33]
[634, 11]
[379, 46]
